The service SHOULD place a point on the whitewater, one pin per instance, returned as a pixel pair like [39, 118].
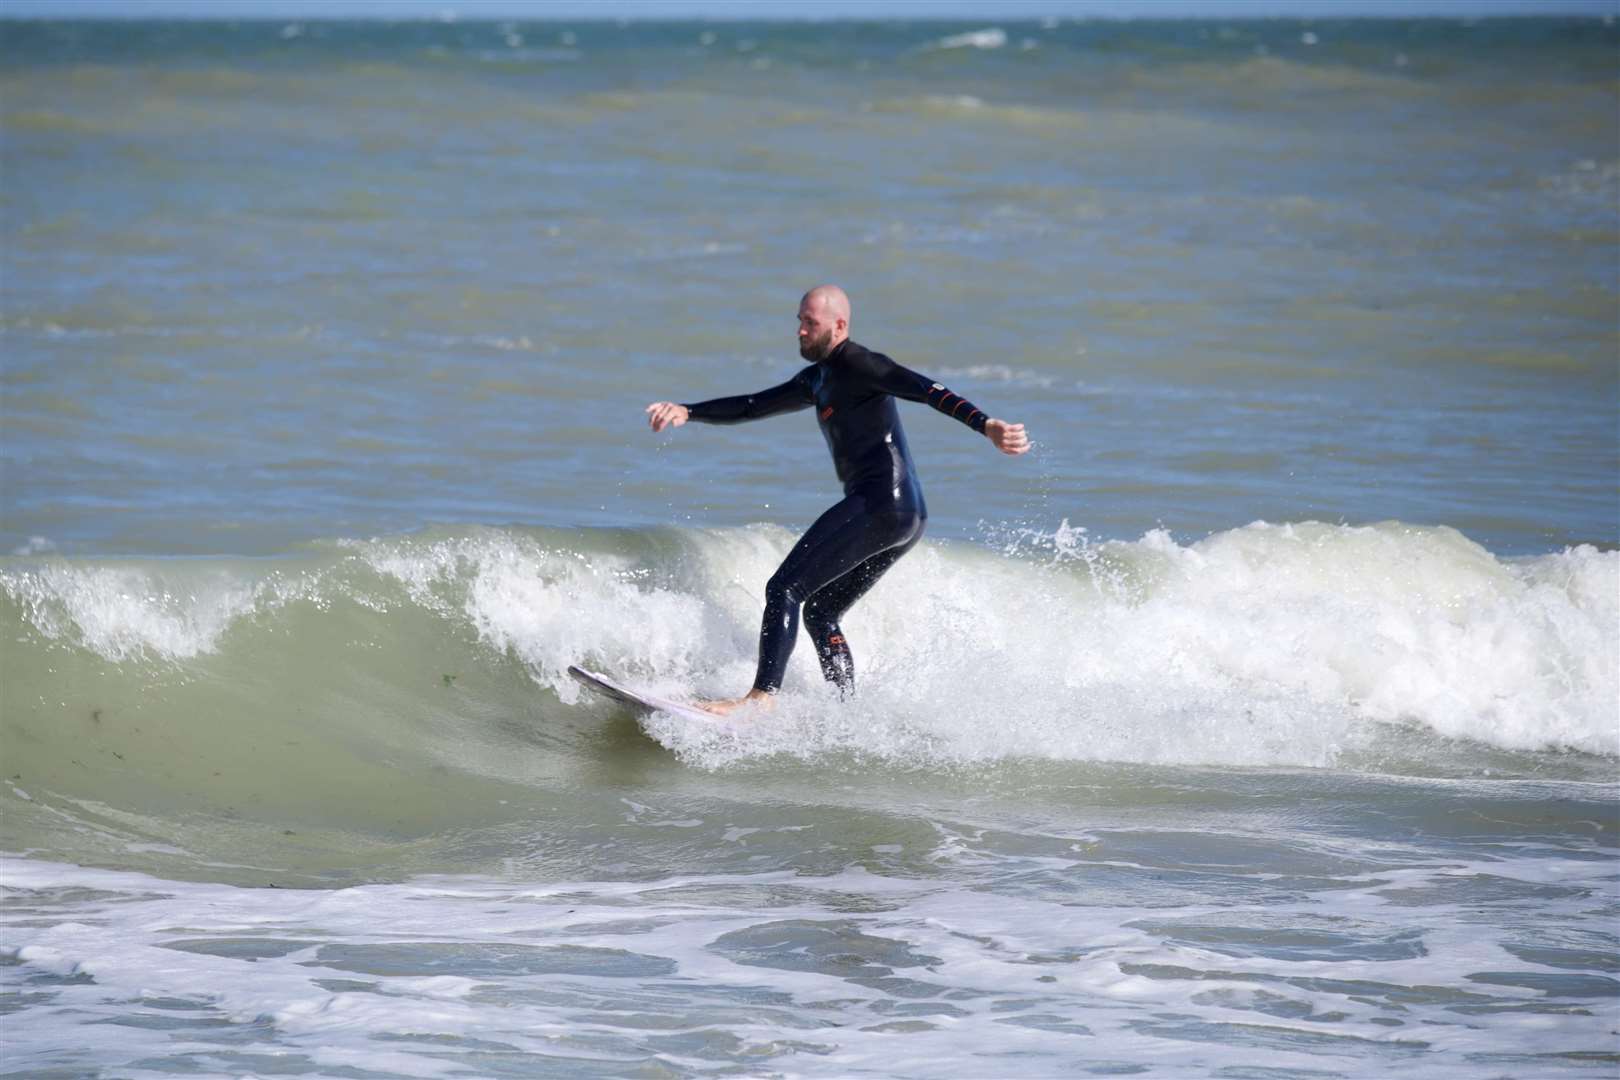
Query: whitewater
[1304, 645]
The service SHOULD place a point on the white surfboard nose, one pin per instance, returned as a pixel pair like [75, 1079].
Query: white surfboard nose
[643, 704]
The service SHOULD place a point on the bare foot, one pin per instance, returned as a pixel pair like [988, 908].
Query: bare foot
[725, 706]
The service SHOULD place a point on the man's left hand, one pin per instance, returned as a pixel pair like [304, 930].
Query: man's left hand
[1008, 438]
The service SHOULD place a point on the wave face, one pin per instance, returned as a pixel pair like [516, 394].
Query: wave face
[1303, 645]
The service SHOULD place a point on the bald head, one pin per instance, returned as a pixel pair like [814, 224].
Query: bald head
[829, 298]
[823, 321]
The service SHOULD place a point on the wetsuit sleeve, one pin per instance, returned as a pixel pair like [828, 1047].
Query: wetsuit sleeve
[788, 397]
[902, 382]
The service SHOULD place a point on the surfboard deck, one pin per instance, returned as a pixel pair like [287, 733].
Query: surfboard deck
[644, 704]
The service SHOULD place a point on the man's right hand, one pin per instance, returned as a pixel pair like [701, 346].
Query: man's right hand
[663, 414]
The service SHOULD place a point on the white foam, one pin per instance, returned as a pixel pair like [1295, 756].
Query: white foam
[418, 979]
[991, 38]
[1001, 373]
[555, 607]
[125, 613]
[1267, 645]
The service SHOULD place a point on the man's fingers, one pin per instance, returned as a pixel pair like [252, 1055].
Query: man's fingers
[662, 414]
[1013, 439]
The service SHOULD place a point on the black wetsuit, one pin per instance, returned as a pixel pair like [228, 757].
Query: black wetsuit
[882, 514]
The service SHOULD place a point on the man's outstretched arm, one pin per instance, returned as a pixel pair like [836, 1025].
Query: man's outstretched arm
[789, 396]
[902, 382]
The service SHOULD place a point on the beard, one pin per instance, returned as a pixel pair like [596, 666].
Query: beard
[815, 349]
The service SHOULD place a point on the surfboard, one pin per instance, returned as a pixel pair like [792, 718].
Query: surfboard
[644, 704]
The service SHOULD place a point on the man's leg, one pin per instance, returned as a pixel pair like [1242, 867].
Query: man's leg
[827, 606]
[839, 541]
[833, 544]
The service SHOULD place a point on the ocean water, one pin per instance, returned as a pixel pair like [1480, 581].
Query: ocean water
[1263, 722]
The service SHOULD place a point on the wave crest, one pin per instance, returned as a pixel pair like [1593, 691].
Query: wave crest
[1264, 645]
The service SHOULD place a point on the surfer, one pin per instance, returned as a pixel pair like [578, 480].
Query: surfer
[882, 514]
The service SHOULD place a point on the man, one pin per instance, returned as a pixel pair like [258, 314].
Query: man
[882, 514]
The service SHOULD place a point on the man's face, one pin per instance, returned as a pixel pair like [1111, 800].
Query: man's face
[816, 329]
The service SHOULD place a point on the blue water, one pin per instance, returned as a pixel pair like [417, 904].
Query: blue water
[271, 282]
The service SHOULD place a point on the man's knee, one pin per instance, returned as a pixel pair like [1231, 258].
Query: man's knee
[816, 616]
[783, 589]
